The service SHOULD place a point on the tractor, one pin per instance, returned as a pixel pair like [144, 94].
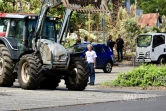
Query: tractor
[37, 58]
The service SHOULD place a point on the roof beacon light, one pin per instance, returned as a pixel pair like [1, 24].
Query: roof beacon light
[51, 18]
[29, 17]
[33, 17]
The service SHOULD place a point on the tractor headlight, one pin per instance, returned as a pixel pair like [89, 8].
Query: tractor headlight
[147, 55]
[63, 57]
[56, 58]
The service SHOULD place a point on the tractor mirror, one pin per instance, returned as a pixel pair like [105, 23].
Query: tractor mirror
[71, 29]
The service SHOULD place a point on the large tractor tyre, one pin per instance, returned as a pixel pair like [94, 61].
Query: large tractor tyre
[107, 67]
[7, 77]
[29, 72]
[50, 83]
[78, 74]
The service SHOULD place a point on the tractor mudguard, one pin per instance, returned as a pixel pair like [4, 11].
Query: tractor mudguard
[11, 45]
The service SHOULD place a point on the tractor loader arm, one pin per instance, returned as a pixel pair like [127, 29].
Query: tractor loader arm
[92, 6]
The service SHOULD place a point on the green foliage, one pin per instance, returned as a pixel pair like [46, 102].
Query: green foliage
[149, 6]
[143, 76]
[5, 7]
[78, 20]
[131, 26]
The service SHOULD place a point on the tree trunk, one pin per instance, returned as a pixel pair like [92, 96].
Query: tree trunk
[116, 5]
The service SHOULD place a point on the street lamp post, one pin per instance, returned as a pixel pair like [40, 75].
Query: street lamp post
[158, 24]
[103, 27]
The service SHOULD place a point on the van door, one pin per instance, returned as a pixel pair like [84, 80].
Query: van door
[158, 46]
[100, 58]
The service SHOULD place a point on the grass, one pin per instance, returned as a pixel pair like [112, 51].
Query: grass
[145, 76]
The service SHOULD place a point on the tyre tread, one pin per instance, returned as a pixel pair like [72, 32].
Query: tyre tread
[8, 77]
[35, 74]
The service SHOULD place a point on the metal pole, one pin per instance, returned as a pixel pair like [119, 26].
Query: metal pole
[89, 23]
[135, 8]
[134, 60]
[103, 28]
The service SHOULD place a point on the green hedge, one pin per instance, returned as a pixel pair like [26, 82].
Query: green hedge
[143, 76]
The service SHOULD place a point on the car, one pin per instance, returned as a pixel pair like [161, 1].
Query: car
[105, 57]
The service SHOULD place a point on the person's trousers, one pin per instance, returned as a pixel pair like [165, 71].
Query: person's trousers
[92, 72]
[120, 54]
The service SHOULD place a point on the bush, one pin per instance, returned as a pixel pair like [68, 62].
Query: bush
[143, 76]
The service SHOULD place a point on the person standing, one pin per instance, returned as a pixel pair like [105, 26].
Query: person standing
[86, 40]
[91, 59]
[76, 43]
[120, 45]
[110, 43]
[78, 38]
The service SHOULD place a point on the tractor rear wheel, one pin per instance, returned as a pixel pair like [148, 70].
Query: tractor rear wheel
[29, 72]
[78, 74]
[7, 77]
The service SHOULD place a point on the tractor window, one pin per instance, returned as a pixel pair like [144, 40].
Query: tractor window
[19, 30]
[49, 30]
[16, 29]
[3, 26]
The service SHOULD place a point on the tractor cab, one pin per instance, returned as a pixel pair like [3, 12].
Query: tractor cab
[20, 28]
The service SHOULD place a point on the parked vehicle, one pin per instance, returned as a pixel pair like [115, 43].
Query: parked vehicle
[104, 59]
[151, 47]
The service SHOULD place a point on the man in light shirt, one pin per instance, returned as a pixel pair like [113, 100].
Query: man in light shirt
[91, 59]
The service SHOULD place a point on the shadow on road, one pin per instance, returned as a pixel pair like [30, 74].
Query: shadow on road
[106, 73]
[88, 89]
[112, 91]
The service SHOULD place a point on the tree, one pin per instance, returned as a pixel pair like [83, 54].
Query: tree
[149, 6]
[7, 5]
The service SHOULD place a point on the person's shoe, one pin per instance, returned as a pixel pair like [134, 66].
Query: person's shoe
[91, 84]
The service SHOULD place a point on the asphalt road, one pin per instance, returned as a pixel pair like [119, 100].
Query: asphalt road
[15, 98]
[153, 104]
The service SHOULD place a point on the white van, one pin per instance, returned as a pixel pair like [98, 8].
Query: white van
[151, 47]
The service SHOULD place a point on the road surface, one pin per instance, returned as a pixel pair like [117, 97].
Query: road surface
[153, 104]
[15, 98]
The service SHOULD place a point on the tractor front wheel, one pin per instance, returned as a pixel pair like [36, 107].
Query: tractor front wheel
[78, 74]
[29, 72]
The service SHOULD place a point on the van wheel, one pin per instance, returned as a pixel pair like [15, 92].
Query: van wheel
[162, 60]
[107, 67]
